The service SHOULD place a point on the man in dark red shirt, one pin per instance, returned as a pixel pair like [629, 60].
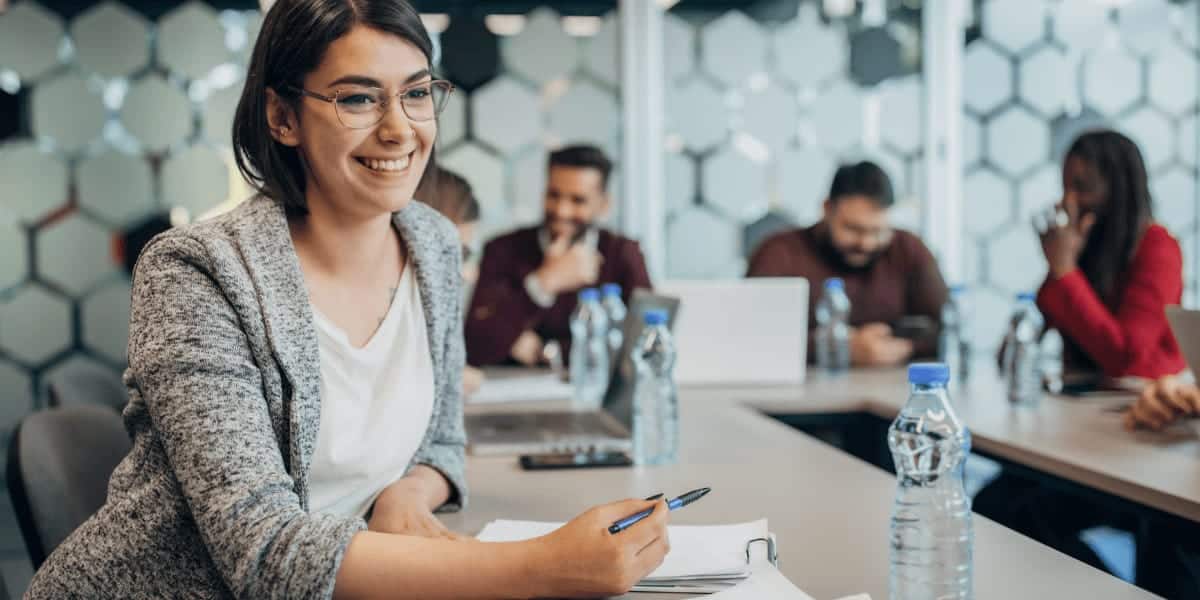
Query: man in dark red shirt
[528, 279]
[895, 288]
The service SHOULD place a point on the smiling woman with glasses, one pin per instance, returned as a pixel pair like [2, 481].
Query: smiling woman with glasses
[295, 364]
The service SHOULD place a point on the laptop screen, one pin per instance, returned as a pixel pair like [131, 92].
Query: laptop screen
[618, 399]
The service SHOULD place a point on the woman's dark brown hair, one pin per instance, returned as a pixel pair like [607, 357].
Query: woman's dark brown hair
[1128, 209]
[291, 43]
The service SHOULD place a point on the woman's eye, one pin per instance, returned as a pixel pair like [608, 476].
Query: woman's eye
[417, 94]
[357, 100]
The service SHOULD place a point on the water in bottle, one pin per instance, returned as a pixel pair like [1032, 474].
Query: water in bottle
[954, 346]
[833, 328]
[614, 308]
[589, 351]
[655, 402]
[931, 533]
[1021, 360]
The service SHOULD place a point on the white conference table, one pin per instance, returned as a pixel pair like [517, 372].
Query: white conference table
[829, 510]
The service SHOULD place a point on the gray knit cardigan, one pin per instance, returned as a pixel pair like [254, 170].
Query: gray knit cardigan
[224, 387]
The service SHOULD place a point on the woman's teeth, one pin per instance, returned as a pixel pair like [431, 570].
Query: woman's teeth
[385, 165]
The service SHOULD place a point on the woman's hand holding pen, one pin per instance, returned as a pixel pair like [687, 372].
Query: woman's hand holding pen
[583, 560]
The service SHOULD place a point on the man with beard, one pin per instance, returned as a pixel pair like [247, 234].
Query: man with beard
[896, 291]
[529, 279]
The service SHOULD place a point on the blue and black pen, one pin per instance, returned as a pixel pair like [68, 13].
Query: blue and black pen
[673, 504]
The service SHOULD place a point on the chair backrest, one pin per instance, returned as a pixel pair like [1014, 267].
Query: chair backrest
[59, 463]
[88, 384]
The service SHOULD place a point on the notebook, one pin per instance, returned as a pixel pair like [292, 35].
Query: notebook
[703, 558]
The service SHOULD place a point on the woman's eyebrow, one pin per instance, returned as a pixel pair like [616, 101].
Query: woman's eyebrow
[372, 82]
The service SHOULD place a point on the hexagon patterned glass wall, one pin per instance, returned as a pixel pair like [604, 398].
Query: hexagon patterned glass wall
[1079, 65]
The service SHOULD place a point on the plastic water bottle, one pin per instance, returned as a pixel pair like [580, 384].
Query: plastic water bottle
[1021, 361]
[931, 537]
[655, 402]
[954, 346]
[589, 351]
[833, 328]
[610, 297]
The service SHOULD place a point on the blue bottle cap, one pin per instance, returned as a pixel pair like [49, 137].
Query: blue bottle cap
[834, 283]
[610, 289]
[956, 290]
[589, 295]
[655, 316]
[928, 373]
[1025, 297]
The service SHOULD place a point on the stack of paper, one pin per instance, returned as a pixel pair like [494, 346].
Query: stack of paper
[527, 388]
[709, 558]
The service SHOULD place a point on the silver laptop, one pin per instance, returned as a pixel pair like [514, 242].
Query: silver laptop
[1185, 324]
[604, 430]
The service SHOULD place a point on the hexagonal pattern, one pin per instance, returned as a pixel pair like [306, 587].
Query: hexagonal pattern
[1152, 134]
[1173, 80]
[757, 232]
[18, 396]
[78, 367]
[156, 113]
[191, 41]
[29, 37]
[486, 174]
[37, 324]
[505, 114]
[542, 51]
[1188, 26]
[1081, 24]
[67, 111]
[586, 113]
[875, 56]
[679, 37]
[219, 110]
[1111, 81]
[681, 181]
[699, 114]
[987, 202]
[74, 253]
[837, 117]
[735, 185]
[1015, 260]
[971, 141]
[804, 176]
[1144, 24]
[733, 47]
[603, 52]
[14, 259]
[106, 321]
[1017, 140]
[111, 40]
[196, 179]
[452, 122]
[529, 188]
[116, 187]
[901, 123]
[1038, 192]
[1044, 81]
[688, 260]
[987, 78]
[1014, 30]
[798, 42]
[771, 117]
[1188, 140]
[1174, 194]
[986, 334]
[26, 198]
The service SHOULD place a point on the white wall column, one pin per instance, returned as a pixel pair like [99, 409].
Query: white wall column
[942, 219]
[643, 207]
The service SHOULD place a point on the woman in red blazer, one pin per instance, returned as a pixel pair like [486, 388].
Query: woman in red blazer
[1113, 269]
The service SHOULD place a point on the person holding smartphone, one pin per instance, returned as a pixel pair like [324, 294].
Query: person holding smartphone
[295, 365]
[895, 288]
[528, 279]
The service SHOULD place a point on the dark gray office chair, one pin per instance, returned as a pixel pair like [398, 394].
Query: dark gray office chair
[59, 462]
[88, 384]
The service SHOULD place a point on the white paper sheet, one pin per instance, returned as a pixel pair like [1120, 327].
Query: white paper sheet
[527, 388]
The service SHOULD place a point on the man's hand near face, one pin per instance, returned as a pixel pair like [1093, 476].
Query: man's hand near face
[568, 266]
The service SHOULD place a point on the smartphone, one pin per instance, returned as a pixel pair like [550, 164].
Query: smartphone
[586, 460]
[914, 327]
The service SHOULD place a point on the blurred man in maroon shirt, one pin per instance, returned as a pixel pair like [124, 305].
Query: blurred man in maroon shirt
[528, 279]
[896, 290]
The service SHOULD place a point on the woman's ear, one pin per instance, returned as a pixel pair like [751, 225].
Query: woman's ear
[282, 121]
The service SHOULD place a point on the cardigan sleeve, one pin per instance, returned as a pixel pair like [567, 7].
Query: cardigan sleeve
[1118, 340]
[203, 391]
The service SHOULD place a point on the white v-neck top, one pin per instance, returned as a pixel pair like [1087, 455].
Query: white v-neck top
[376, 403]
